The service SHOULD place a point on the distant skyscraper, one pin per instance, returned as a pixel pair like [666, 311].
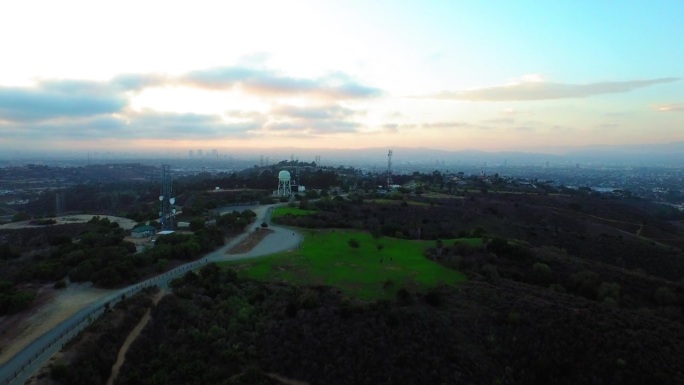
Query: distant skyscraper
[199, 153]
[191, 154]
[214, 153]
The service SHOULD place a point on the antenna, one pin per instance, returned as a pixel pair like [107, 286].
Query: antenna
[167, 210]
[389, 170]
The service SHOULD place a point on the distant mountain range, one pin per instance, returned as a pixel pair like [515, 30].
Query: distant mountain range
[669, 154]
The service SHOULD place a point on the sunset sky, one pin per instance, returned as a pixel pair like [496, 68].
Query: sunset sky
[486, 75]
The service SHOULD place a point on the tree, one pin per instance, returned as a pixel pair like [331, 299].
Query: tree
[353, 243]
[609, 290]
[21, 216]
[664, 296]
[196, 224]
[542, 273]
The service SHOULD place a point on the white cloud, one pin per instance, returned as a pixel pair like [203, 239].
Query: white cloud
[670, 107]
[537, 89]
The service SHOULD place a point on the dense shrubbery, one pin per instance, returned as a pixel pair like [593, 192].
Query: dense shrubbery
[99, 346]
[103, 257]
[554, 269]
[530, 220]
[12, 299]
[218, 329]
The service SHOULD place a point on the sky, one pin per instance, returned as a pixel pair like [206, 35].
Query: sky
[173, 76]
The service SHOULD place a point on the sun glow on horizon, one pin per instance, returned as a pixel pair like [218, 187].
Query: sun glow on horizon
[332, 74]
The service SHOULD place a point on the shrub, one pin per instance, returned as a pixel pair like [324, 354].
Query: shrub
[542, 273]
[608, 290]
[585, 283]
[434, 298]
[403, 296]
[490, 272]
[664, 296]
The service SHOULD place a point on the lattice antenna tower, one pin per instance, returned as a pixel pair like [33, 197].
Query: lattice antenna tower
[167, 209]
[389, 170]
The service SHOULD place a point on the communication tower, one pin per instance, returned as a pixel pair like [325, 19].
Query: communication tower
[389, 170]
[284, 184]
[167, 209]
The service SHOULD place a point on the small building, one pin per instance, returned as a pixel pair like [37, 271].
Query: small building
[142, 232]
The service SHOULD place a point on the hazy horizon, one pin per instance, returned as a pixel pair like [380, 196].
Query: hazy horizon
[165, 78]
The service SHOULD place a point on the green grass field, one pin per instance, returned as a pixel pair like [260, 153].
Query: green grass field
[366, 272]
[282, 211]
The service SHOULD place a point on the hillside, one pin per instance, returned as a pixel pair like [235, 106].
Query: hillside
[560, 290]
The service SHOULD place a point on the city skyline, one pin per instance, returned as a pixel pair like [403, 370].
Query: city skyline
[463, 75]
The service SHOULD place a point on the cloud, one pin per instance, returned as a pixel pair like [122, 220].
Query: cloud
[50, 99]
[453, 125]
[670, 107]
[136, 82]
[54, 99]
[390, 128]
[561, 128]
[134, 125]
[315, 112]
[80, 128]
[311, 127]
[270, 83]
[317, 120]
[500, 120]
[165, 125]
[608, 125]
[79, 110]
[542, 90]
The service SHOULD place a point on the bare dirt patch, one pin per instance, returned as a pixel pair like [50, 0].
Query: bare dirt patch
[124, 223]
[252, 240]
[53, 307]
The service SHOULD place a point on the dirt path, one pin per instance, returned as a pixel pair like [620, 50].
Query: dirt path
[124, 223]
[21, 329]
[285, 380]
[250, 242]
[121, 357]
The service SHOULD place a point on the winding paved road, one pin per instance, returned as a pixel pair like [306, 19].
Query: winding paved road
[24, 364]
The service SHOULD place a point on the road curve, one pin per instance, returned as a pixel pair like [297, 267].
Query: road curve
[24, 364]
